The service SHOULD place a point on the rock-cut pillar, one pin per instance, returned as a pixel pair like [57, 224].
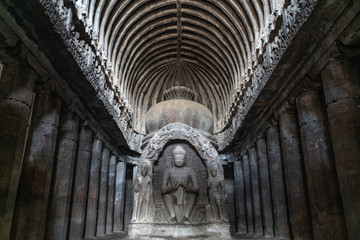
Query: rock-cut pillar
[240, 197]
[341, 87]
[80, 186]
[326, 212]
[248, 197]
[119, 197]
[111, 195]
[93, 193]
[277, 182]
[34, 189]
[294, 176]
[265, 188]
[62, 178]
[104, 174]
[16, 94]
[255, 190]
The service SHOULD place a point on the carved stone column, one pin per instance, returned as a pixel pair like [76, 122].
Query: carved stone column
[129, 198]
[248, 200]
[341, 87]
[77, 222]
[240, 197]
[119, 197]
[277, 182]
[265, 189]
[16, 94]
[34, 188]
[294, 176]
[101, 218]
[93, 193]
[255, 192]
[327, 219]
[111, 195]
[63, 175]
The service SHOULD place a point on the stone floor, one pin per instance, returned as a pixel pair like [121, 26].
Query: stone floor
[123, 236]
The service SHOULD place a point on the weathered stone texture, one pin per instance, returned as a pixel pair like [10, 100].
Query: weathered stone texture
[239, 187]
[231, 209]
[119, 197]
[341, 87]
[294, 177]
[104, 174]
[93, 192]
[80, 186]
[33, 196]
[277, 183]
[111, 195]
[255, 190]
[16, 94]
[327, 217]
[129, 195]
[248, 199]
[265, 188]
[62, 177]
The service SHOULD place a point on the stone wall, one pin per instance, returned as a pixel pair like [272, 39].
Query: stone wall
[61, 176]
[297, 177]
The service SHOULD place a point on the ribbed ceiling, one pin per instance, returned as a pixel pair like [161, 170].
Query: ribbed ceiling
[208, 46]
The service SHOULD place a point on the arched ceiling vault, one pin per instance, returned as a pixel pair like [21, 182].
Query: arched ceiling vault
[208, 46]
[224, 50]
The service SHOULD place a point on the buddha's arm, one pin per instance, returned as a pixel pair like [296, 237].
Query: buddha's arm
[193, 185]
[165, 188]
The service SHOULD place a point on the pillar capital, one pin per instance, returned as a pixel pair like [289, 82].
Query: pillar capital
[46, 87]
[245, 157]
[341, 52]
[287, 106]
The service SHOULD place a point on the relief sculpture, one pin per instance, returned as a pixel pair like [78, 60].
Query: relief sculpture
[179, 188]
[217, 193]
[142, 194]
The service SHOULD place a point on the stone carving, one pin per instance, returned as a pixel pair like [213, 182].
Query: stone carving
[179, 187]
[142, 196]
[92, 61]
[184, 186]
[98, 69]
[217, 193]
[293, 17]
[181, 201]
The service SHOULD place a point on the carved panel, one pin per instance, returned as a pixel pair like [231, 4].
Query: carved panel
[193, 161]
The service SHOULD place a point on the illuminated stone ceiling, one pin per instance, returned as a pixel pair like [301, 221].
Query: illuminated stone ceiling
[132, 51]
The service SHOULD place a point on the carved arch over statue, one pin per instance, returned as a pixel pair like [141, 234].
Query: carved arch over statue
[179, 131]
[151, 153]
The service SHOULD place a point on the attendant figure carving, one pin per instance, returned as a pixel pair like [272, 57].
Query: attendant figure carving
[179, 187]
[143, 194]
[217, 193]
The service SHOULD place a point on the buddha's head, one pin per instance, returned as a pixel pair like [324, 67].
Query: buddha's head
[179, 156]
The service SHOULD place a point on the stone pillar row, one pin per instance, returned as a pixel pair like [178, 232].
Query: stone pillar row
[260, 189]
[58, 179]
[301, 177]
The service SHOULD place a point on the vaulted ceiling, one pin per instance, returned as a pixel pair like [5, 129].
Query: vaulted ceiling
[131, 51]
[208, 46]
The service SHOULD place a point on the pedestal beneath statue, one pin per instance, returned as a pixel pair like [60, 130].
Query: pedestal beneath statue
[200, 231]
